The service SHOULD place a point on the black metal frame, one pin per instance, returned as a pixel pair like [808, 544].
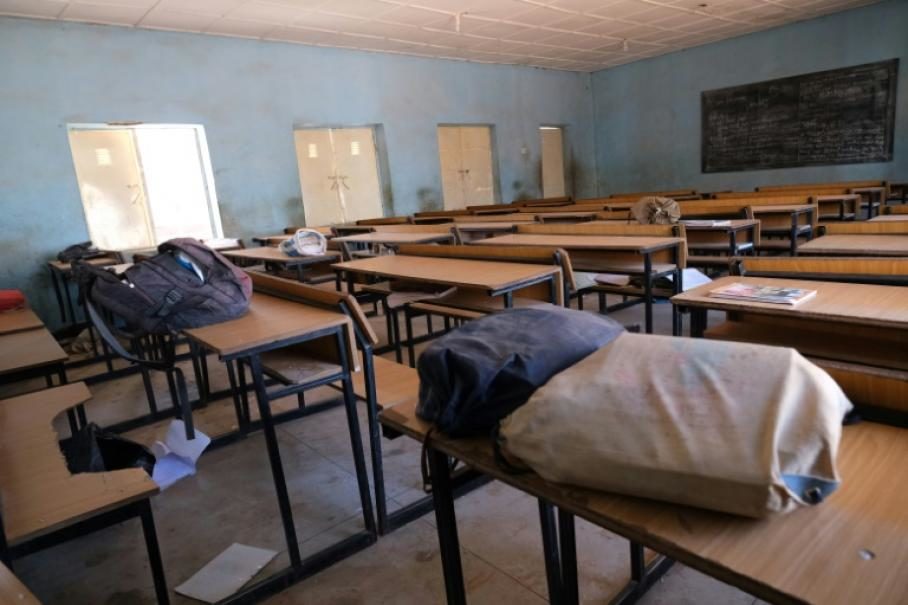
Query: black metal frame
[300, 568]
[558, 541]
[140, 508]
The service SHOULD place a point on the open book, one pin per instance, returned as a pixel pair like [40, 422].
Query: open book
[707, 223]
[764, 294]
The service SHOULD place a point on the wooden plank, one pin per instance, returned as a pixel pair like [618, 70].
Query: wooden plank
[272, 254]
[14, 592]
[624, 243]
[466, 273]
[29, 349]
[852, 548]
[37, 491]
[18, 320]
[268, 321]
[858, 245]
[395, 237]
[858, 304]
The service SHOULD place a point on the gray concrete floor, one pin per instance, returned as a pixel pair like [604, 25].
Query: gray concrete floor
[231, 499]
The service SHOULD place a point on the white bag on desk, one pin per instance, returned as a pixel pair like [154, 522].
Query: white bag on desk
[734, 427]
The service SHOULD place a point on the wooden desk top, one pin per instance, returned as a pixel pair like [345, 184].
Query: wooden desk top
[29, 349]
[625, 243]
[885, 218]
[857, 245]
[497, 226]
[834, 302]
[813, 555]
[271, 254]
[730, 225]
[18, 320]
[396, 237]
[270, 240]
[269, 320]
[102, 261]
[466, 273]
[793, 208]
[13, 591]
[38, 492]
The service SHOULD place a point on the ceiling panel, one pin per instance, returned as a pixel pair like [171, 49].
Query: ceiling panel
[578, 35]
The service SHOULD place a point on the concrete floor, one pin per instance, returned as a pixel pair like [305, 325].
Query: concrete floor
[231, 499]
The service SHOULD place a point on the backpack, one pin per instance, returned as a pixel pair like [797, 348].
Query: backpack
[82, 251]
[474, 376]
[186, 285]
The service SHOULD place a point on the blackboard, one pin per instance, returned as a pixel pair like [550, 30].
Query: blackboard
[840, 116]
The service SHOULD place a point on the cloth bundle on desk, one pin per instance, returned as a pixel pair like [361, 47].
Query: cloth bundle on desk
[474, 376]
[739, 428]
[305, 242]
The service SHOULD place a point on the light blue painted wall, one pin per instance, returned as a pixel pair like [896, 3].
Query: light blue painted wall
[249, 95]
[648, 113]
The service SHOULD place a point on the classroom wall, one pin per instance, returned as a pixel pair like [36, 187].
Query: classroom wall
[249, 95]
[647, 116]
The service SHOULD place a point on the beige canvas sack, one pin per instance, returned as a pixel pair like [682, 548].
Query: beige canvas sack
[733, 427]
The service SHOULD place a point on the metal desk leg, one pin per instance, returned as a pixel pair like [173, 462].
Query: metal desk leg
[648, 291]
[568, 547]
[378, 473]
[69, 299]
[676, 312]
[235, 395]
[154, 553]
[446, 523]
[550, 551]
[697, 322]
[356, 442]
[274, 457]
[57, 294]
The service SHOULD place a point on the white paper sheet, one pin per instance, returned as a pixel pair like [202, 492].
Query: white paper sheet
[176, 457]
[226, 573]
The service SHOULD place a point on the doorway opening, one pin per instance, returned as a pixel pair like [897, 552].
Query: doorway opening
[552, 145]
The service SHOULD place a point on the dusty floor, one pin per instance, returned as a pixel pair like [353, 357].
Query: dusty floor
[231, 499]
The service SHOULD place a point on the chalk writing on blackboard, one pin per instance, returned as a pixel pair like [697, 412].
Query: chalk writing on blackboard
[840, 116]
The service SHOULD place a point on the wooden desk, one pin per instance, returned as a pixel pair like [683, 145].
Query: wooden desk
[14, 592]
[275, 323]
[496, 278]
[23, 351]
[60, 274]
[268, 322]
[809, 556]
[791, 221]
[834, 302]
[722, 236]
[885, 218]
[390, 238]
[857, 245]
[630, 255]
[566, 217]
[275, 259]
[18, 320]
[271, 240]
[42, 499]
[39, 495]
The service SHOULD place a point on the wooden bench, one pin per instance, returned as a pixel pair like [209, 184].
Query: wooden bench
[463, 304]
[900, 210]
[831, 206]
[387, 220]
[379, 382]
[42, 503]
[592, 261]
[546, 201]
[873, 196]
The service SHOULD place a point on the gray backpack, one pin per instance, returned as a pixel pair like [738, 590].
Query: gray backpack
[186, 285]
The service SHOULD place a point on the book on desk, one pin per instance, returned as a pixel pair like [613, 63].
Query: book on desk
[764, 294]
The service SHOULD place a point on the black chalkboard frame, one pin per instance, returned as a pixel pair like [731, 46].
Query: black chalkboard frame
[892, 67]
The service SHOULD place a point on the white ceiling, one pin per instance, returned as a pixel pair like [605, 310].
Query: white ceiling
[577, 35]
